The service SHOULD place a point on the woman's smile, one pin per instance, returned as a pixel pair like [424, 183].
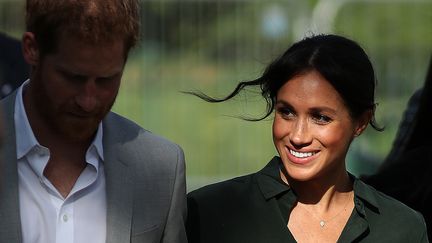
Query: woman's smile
[298, 157]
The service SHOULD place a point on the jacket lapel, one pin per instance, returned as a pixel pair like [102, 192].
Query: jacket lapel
[119, 188]
[10, 223]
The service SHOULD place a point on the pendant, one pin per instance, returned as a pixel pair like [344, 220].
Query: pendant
[322, 223]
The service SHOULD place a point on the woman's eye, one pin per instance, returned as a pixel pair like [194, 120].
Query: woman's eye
[285, 112]
[322, 119]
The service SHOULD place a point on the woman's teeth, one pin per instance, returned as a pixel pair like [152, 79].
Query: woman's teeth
[300, 154]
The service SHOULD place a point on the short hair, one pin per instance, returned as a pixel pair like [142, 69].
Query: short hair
[92, 21]
[339, 60]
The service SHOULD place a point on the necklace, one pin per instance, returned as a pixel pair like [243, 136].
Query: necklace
[323, 222]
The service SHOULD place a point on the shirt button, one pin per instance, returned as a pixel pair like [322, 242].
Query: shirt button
[65, 218]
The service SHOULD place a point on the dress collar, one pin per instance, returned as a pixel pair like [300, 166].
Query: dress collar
[271, 185]
[269, 181]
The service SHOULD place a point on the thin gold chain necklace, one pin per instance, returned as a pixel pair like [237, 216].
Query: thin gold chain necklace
[323, 222]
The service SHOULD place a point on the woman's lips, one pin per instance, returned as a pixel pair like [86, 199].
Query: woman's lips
[298, 157]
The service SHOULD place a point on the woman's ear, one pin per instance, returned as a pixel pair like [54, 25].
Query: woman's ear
[363, 122]
[30, 48]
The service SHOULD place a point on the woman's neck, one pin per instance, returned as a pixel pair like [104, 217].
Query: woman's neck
[322, 192]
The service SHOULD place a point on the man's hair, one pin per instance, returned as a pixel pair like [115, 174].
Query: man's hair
[92, 21]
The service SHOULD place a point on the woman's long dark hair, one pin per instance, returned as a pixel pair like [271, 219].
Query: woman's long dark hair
[339, 60]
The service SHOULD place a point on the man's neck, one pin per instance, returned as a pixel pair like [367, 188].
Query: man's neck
[67, 156]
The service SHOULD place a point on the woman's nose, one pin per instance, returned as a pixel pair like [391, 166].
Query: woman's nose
[300, 135]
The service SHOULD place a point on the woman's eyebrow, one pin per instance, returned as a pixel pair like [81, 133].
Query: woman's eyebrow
[321, 109]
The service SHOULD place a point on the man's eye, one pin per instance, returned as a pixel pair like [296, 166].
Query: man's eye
[106, 79]
[74, 77]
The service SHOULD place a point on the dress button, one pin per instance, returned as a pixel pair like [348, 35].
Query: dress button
[65, 218]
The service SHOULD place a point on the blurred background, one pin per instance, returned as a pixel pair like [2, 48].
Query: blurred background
[211, 45]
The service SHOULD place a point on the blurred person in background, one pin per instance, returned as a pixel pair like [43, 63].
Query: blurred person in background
[72, 170]
[322, 93]
[13, 68]
[406, 172]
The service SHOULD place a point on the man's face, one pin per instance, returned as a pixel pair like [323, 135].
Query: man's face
[73, 89]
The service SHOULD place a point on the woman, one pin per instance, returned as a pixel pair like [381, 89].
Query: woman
[322, 92]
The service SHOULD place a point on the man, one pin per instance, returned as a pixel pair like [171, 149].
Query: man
[72, 171]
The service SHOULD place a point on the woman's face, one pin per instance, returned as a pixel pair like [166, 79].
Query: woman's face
[312, 128]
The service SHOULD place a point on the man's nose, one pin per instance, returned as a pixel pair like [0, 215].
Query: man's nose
[87, 98]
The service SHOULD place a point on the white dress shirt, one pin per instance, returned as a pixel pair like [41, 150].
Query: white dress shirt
[47, 217]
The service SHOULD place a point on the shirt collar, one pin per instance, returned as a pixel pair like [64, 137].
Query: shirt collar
[269, 180]
[365, 193]
[271, 185]
[26, 140]
[97, 144]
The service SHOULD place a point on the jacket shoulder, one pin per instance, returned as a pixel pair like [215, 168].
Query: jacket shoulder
[122, 130]
[135, 144]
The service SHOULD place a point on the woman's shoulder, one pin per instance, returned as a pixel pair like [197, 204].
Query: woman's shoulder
[384, 212]
[388, 203]
[387, 217]
[383, 202]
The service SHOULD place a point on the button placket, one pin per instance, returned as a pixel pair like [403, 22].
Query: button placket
[65, 218]
[65, 227]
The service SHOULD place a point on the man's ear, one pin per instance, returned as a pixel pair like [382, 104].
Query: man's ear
[30, 49]
[363, 122]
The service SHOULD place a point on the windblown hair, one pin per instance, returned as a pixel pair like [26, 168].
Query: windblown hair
[339, 60]
[92, 21]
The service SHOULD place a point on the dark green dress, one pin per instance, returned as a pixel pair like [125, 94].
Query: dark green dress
[255, 208]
